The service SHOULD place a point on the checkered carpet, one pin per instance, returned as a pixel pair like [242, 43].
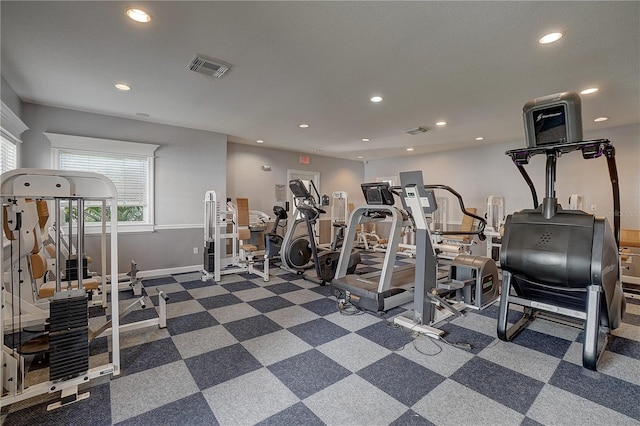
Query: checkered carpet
[246, 352]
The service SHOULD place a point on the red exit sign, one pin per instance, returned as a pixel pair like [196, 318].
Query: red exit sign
[304, 159]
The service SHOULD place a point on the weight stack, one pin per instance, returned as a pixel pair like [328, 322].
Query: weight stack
[209, 256]
[71, 269]
[69, 335]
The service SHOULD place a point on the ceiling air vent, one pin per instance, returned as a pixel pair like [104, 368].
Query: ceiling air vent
[417, 130]
[209, 66]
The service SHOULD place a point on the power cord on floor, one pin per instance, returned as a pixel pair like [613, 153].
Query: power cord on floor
[348, 309]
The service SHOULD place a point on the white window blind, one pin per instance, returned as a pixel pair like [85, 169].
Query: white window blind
[11, 127]
[8, 154]
[129, 165]
[128, 173]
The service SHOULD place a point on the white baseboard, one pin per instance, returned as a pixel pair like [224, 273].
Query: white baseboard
[169, 271]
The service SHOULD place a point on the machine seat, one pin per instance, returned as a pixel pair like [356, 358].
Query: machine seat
[47, 289]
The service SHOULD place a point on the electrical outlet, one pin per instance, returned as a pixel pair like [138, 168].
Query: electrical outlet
[195, 250]
[594, 208]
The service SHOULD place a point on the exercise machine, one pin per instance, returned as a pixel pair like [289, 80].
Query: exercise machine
[69, 336]
[472, 281]
[382, 290]
[630, 260]
[300, 250]
[495, 221]
[227, 248]
[556, 261]
[273, 239]
[339, 216]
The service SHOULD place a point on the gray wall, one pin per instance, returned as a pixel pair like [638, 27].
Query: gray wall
[245, 178]
[188, 162]
[479, 172]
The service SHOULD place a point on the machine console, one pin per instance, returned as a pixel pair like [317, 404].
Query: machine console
[553, 119]
[298, 189]
[377, 193]
[413, 186]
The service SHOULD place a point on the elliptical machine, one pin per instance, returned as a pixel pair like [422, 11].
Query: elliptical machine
[273, 240]
[300, 251]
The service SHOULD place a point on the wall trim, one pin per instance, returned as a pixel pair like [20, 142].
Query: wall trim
[178, 226]
[11, 123]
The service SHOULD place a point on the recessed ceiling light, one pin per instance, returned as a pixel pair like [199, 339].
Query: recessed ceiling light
[259, 141]
[550, 38]
[376, 99]
[479, 138]
[409, 149]
[441, 123]
[365, 139]
[599, 119]
[138, 15]
[142, 114]
[123, 87]
[589, 91]
[303, 126]
[359, 157]
[316, 150]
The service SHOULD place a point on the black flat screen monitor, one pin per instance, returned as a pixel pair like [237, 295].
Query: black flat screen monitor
[377, 193]
[298, 189]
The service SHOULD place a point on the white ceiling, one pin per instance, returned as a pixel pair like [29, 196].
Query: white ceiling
[473, 64]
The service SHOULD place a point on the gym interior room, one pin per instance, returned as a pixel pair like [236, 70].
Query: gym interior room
[320, 213]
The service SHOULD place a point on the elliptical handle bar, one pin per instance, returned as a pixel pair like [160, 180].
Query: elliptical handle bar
[590, 149]
[483, 222]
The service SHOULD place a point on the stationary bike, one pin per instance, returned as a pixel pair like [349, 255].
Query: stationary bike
[300, 251]
[273, 240]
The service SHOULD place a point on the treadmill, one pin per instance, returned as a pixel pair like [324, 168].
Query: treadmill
[390, 287]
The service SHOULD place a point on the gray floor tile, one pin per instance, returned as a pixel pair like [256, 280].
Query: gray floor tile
[192, 410]
[138, 393]
[505, 386]
[600, 388]
[249, 398]
[555, 406]
[393, 372]
[452, 404]
[275, 347]
[220, 365]
[360, 403]
[292, 316]
[308, 372]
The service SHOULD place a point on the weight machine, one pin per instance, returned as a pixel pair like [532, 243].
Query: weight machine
[69, 336]
[226, 240]
[339, 217]
[495, 221]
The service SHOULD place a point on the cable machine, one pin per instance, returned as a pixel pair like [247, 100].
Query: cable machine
[69, 332]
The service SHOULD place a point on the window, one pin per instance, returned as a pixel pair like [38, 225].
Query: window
[8, 154]
[10, 130]
[129, 165]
